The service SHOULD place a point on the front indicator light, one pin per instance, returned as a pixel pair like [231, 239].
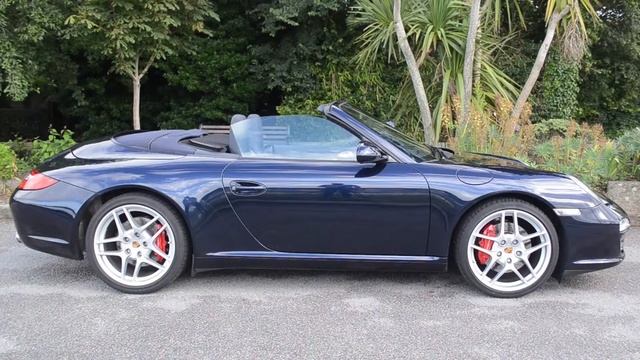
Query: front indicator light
[567, 212]
[36, 181]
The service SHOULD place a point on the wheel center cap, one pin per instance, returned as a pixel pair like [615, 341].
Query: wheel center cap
[135, 244]
[508, 250]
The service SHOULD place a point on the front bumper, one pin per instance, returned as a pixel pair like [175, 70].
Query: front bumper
[47, 220]
[593, 240]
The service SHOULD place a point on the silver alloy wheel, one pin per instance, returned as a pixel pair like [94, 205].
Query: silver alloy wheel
[518, 254]
[126, 245]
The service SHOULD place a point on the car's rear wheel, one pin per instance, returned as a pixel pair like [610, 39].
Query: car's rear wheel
[137, 244]
[507, 247]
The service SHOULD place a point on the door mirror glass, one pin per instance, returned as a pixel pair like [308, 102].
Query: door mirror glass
[367, 153]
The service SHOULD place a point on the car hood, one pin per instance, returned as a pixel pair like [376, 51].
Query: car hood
[486, 160]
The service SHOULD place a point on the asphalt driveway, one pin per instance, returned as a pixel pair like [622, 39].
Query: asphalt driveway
[52, 307]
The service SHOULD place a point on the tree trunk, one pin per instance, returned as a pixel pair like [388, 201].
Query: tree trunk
[414, 72]
[539, 63]
[136, 103]
[469, 55]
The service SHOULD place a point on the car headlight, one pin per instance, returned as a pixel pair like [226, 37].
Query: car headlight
[625, 224]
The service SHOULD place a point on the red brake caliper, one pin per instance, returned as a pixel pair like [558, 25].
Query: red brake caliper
[489, 230]
[161, 244]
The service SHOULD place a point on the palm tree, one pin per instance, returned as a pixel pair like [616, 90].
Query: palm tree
[437, 36]
[556, 12]
[414, 72]
[491, 11]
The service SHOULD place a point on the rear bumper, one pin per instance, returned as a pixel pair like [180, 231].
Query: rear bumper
[47, 220]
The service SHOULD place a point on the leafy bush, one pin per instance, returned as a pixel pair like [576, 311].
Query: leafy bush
[559, 89]
[57, 142]
[8, 167]
[494, 132]
[565, 146]
[547, 129]
[584, 152]
[628, 154]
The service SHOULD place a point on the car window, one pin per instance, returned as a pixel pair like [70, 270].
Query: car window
[296, 137]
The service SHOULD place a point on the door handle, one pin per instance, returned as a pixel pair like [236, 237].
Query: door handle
[247, 188]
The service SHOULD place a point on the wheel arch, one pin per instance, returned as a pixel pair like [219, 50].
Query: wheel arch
[537, 201]
[92, 205]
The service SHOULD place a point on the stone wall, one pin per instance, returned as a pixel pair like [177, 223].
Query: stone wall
[627, 195]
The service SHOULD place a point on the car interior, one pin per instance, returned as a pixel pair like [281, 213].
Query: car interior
[253, 136]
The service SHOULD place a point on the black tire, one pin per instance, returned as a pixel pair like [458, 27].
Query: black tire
[463, 235]
[182, 247]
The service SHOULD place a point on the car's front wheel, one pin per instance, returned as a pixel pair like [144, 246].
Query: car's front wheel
[137, 244]
[507, 247]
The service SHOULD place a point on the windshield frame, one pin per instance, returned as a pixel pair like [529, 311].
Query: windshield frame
[420, 152]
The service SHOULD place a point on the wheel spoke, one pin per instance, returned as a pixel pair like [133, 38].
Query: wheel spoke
[136, 270]
[534, 235]
[123, 267]
[499, 275]
[503, 223]
[149, 223]
[528, 264]
[152, 263]
[515, 222]
[489, 266]
[479, 248]
[129, 218]
[156, 250]
[110, 253]
[158, 232]
[119, 226]
[482, 236]
[517, 272]
[537, 247]
[109, 240]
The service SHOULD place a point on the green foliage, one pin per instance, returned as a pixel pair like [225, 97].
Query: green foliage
[584, 151]
[437, 32]
[495, 132]
[609, 92]
[26, 29]
[559, 89]
[549, 128]
[56, 142]
[303, 35]
[280, 15]
[8, 168]
[215, 78]
[628, 154]
[371, 90]
[22, 149]
[134, 34]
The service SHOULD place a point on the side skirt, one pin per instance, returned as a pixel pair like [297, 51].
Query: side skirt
[308, 261]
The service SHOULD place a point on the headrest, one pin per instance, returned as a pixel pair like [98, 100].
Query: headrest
[237, 117]
[253, 116]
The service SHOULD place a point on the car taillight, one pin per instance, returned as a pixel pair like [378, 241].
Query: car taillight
[36, 181]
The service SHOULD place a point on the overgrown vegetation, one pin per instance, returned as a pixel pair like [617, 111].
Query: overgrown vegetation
[29, 154]
[8, 166]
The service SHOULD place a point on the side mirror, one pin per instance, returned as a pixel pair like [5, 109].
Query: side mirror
[367, 153]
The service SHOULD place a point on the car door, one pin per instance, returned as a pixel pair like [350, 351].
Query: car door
[309, 194]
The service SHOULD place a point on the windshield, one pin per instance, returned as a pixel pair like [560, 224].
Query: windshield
[419, 152]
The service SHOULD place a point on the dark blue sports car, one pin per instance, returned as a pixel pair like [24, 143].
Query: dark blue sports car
[339, 190]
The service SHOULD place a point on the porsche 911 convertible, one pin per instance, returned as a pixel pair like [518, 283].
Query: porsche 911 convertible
[338, 190]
